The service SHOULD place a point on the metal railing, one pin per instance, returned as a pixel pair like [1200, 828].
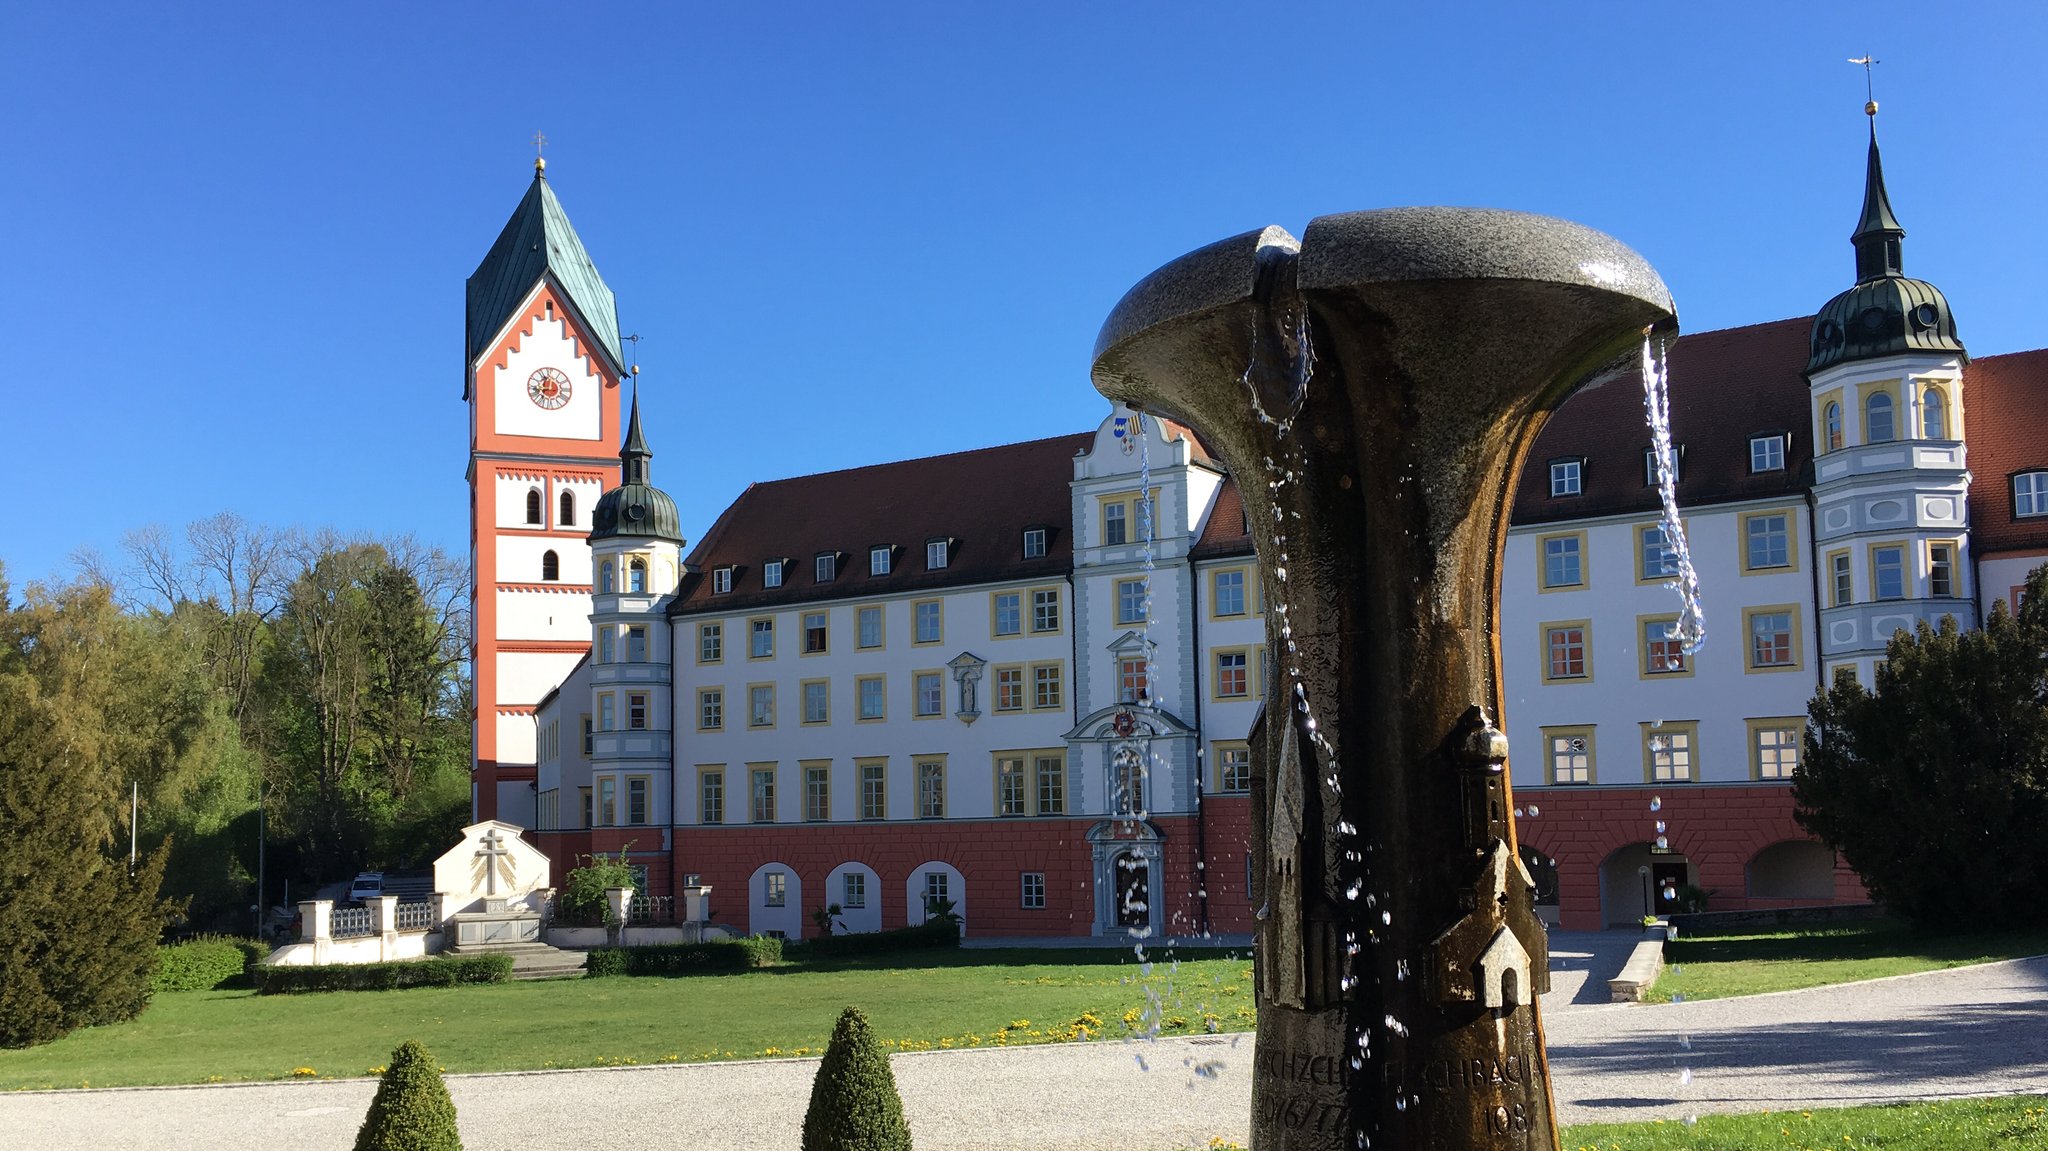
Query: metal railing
[349, 922]
[651, 909]
[414, 917]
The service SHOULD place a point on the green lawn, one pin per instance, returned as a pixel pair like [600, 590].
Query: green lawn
[2011, 1124]
[1717, 966]
[945, 999]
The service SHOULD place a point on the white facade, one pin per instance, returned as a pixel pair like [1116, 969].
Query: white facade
[548, 346]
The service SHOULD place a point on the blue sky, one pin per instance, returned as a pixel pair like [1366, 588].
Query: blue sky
[238, 234]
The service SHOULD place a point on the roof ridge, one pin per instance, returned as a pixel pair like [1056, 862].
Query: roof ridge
[886, 464]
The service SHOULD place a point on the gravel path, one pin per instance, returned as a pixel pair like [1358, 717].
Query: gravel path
[1976, 1030]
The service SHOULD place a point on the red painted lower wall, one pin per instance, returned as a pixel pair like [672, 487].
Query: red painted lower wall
[1718, 829]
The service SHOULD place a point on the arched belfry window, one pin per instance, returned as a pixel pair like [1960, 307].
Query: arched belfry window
[636, 575]
[1877, 419]
[604, 577]
[533, 506]
[1833, 419]
[550, 566]
[1933, 416]
[568, 510]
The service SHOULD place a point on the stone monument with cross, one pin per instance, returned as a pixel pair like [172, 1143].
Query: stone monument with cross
[492, 887]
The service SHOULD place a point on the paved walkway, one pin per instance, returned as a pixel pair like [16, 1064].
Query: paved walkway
[1977, 1030]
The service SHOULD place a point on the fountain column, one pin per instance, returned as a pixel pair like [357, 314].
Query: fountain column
[1373, 388]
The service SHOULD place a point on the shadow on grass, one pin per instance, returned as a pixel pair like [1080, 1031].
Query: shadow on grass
[1874, 939]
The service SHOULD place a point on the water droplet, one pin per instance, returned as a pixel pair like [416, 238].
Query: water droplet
[1656, 803]
[1692, 1121]
[1387, 917]
[1352, 891]
[1656, 723]
[1532, 811]
[1685, 1077]
[1656, 743]
[1518, 813]
[1372, 899]
[1678, 997]
[1401, 970]
[1660, 827]
[1401, 1103]
[1663, 844]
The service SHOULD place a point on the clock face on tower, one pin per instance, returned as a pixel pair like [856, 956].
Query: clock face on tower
[548, 388]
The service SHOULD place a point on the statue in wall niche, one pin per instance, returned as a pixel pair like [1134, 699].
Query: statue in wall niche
[1373, 389]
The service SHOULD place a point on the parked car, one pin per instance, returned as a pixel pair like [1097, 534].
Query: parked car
[367, 886]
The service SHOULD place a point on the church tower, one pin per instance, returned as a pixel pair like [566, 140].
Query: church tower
[542, 371]
[1891, 519]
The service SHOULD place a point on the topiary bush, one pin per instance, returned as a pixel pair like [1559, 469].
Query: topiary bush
[709, 957]
[854, 1105]
[412, 1110]
[206, 962]
[440, 971]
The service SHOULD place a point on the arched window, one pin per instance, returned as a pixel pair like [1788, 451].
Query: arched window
[533, 506]
[636, 575]
[550, 566]
[1833, 420]
[604, 577]
[1933, 417]
[1877, 419]
[568, 502]
[1127, 794]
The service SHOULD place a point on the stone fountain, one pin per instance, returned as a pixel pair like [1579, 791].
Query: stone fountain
[1374, 387]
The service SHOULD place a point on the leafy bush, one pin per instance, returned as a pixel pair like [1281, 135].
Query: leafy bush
[412, 1110]
[582, 899]
[935, 933]
[706, 958]
[854, 1105]
[439, 971]
[1934, 787]
[206, 962]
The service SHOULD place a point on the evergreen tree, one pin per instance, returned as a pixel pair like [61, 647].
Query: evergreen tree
[854, 1105]
[412, 1110]
[1935, 786]
[78, 933]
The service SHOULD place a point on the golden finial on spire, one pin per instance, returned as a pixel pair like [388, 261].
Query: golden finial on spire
[1869, 90]
[540, 164]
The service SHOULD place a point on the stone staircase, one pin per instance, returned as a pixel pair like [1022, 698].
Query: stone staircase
[533, 960]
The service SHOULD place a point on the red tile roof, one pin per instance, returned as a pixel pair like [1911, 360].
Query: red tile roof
[1726, 386]
[2005, 420]
[982, 500]
[1224, 534]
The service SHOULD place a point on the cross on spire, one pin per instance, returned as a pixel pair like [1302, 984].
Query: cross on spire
[1869, 84]
[540, 164]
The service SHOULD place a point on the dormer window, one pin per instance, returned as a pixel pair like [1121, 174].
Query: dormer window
[879, 560]
[1034, 543]
[721, 579]
[1566, 476]
[1650, 464]
[828, 567]
[937, 553]
[2030, 494]
[771, 573]
[1767, 453]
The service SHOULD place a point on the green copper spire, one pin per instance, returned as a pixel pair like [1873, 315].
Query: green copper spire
[634, 454]
[636, 508]
[1878, 233]
[538, 241]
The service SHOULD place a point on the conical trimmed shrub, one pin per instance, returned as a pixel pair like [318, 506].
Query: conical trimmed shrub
[412, 1111]
[854, 1105]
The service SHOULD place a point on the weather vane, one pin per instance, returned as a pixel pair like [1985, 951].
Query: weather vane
[1869, 88]
[634, 370]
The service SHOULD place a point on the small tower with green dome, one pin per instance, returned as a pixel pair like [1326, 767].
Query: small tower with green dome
[636, 544]
[1885, 376]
